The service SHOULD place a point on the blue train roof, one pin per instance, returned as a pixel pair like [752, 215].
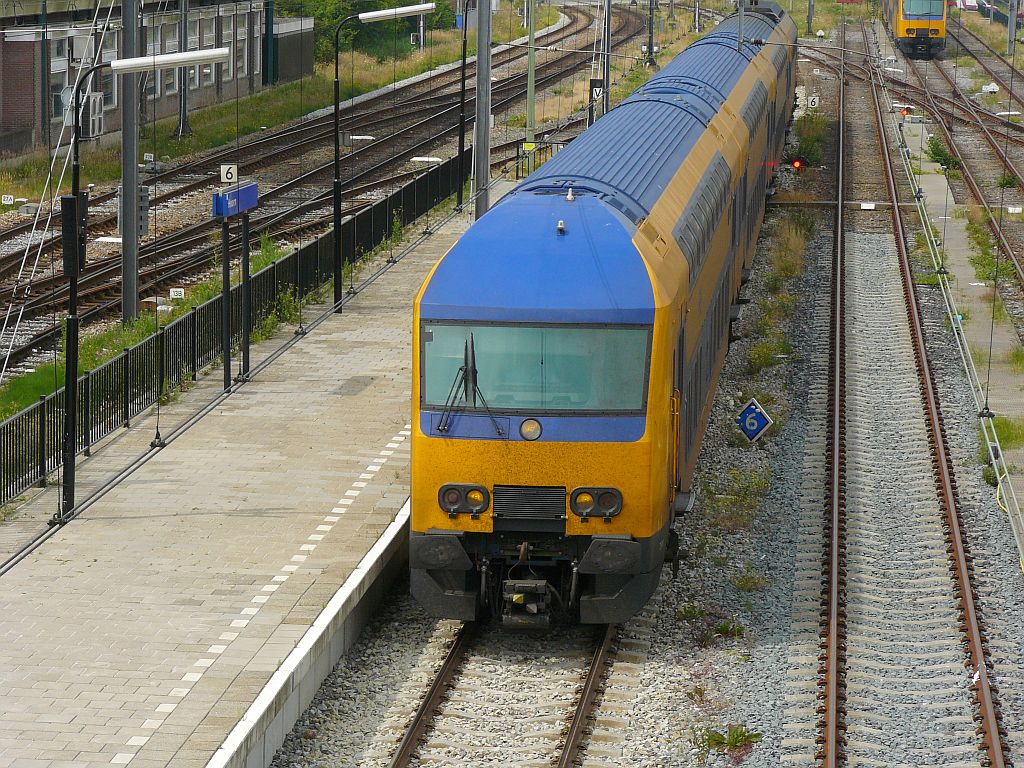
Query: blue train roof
[629, 155]
[513, 265]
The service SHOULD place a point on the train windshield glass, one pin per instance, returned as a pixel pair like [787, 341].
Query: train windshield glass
[538, 368]
[932, 8]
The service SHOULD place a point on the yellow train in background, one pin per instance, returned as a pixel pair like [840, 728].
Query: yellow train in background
[918, 27]
[566, 350]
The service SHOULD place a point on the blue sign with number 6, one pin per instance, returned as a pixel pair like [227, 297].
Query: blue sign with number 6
[753, 420]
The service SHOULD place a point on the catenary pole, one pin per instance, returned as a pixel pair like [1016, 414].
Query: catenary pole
[482, 127]
[184, 129]
[129, 166]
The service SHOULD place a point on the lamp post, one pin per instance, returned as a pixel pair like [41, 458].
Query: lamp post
[73, 240]
[363, 18]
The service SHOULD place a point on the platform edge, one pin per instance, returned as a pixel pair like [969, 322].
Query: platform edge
[262, 729]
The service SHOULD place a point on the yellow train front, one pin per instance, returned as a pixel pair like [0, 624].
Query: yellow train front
[918, 27]
[567, 348]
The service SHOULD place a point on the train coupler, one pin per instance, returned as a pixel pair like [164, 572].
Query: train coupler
[527, 603]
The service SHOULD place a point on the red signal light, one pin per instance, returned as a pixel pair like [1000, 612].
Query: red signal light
[798, 164]
[904, 112]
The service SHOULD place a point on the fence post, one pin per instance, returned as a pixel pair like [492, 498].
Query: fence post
[275, 286]
[160, 372]
[194, 316]
[42, 441]
[126, 399]
[87, 411]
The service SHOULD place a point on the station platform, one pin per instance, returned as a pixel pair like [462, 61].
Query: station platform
[159, 627]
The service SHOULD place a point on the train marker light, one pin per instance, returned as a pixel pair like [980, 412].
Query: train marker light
[475, 497]
[530, 429]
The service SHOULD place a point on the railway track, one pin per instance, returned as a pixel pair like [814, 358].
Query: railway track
[983, 161]
[905, 673]
[287, 142]
[1003, 73]
[538, 713]
[299, 196]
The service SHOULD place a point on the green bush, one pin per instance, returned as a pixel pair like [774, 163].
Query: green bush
[937, 153]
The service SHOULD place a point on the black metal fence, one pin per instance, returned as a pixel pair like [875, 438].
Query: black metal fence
[123, 387]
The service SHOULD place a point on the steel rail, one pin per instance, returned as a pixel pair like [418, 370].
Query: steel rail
[446, 674]
[435, 694]
[588, 698]
[944, 476]
[834, 624]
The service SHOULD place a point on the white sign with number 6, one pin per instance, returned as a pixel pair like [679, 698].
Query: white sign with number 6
[229, 173]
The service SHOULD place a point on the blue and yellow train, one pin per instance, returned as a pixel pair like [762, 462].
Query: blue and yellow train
[918, 27]
[567, 348]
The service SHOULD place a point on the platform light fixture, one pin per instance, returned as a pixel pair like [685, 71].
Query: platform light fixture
[74, 213]
[366, 17]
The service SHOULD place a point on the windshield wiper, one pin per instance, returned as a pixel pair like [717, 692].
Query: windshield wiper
[466, 380]
[474, 387]
[461, 379]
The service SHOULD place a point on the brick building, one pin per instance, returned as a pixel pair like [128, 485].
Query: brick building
[43, 44]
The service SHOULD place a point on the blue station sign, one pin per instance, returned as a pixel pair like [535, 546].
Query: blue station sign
[753, 420]
[235, 199]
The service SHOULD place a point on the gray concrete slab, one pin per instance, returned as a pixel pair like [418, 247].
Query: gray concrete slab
[143, 631]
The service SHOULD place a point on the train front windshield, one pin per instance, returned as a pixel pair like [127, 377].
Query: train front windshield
[580, 369]
[913, 9]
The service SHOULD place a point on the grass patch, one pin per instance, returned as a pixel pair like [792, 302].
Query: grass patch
[1015, 359]
[775, 311]
[737, 742]
[750, 580]
[810, 130]
[732, 498]
[1010, 432]
[983, 252]
[768, 353]
[1007, 181]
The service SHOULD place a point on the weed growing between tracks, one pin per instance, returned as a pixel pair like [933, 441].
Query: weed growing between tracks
[789, 241]
[983, 252]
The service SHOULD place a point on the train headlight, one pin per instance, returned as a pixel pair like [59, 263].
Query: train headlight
[530, 429]
[471, 499]
[596, 502]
